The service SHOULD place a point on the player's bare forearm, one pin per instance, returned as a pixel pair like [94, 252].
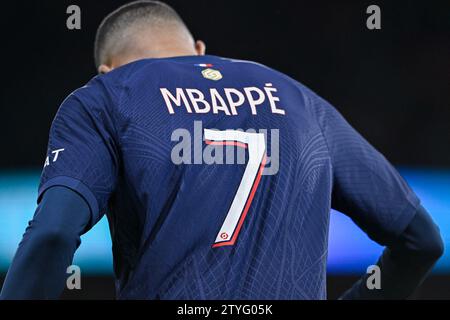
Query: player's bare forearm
[39, 266]
[405, 263]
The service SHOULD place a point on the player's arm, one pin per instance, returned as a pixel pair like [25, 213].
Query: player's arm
[38, 270]
[368, 189]
[405, 263]
[77, 181]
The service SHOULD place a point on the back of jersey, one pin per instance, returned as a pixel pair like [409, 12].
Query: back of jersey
[234, 180]
[217, 177]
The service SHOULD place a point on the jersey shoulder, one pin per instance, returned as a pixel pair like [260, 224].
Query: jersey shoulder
[310, 96]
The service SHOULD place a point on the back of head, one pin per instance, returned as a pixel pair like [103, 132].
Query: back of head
[141, 29]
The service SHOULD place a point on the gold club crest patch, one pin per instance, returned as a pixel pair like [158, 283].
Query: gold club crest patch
[212, 74]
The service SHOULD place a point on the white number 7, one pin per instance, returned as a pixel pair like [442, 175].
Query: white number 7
[255, 143]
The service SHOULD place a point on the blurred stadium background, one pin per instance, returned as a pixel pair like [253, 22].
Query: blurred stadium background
[391, 84]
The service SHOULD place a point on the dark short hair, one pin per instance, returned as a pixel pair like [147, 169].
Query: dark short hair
[125, 16]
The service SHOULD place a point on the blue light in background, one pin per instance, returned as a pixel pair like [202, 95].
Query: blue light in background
[18, 192]
[350, 250]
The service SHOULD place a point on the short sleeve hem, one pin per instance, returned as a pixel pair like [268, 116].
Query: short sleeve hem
[406, 216]
[77, 186]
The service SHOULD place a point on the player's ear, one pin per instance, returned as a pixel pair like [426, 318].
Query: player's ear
[200, 47]
[103, 68]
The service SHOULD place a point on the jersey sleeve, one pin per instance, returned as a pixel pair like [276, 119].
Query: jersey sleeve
[366, 187]
[82, 151]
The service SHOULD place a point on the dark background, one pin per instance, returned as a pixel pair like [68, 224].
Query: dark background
[391, 84]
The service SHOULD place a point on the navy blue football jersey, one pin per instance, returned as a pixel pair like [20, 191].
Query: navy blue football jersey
[217, 177]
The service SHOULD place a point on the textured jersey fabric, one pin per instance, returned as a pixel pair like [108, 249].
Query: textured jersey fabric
[113, 140]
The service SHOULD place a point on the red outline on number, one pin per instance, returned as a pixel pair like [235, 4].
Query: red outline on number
[247, 204]
[227, 143]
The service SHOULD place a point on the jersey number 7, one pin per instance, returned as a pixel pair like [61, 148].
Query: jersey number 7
[256, 146]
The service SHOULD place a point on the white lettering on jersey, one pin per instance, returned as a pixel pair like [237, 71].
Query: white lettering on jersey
[226, 100]
[55, 154]
[180, 97]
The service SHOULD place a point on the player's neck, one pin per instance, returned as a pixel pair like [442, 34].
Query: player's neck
[154, 53]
